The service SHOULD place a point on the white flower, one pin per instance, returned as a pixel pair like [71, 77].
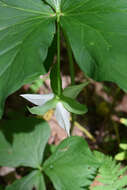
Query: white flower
[63, 117]
[61, 114]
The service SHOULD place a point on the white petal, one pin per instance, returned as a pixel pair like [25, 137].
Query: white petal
[63, 117]
[38, 99]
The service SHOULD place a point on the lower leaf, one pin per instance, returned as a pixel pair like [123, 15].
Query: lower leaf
[22, 142]
[33, 180]
[72, 165]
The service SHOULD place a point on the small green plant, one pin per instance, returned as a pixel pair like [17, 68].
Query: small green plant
[110, 175]
[30, 35]
[122, 155]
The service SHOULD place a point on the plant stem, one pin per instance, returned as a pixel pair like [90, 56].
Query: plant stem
[71, 62]
[72, 74]
[58, 56]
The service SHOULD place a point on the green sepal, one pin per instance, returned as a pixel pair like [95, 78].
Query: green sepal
[74, 90]
[41, 110]
[54, 80]
[73, 106]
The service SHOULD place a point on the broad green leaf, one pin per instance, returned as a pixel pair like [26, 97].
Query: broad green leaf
[54, 80]
[71, 166]
[73, 106]
[73, 90]
[55, 4]
[40, 110]
[26, 31]
[1, 188]
[22, 142]
[97, 32]
[33, 180]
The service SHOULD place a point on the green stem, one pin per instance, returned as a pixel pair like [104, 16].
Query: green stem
[58, 56]
[71, 62]
[72, 74]
[73, 122]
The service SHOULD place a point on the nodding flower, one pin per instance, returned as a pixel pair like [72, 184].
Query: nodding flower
[46, 102]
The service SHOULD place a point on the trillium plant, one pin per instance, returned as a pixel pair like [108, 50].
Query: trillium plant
[62, 104]
[95, 36]
[46, 102]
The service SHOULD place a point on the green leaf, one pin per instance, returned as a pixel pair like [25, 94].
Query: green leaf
[22, 142]
[54, 4]
[72, 165]
[34, 87]
[73, 106]
[123, 146]
[123, 121]
[73, 90]
[33, 180]
[97, 32]
[111, 176]
[40, 110]
[1, 188]
[100, 157]
[26, 31]
[54, 80]
[121, 156]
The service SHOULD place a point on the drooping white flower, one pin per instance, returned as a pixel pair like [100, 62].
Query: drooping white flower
[61, 114]
[63, 117]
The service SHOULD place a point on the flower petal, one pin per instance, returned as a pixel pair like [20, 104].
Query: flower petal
[38, 99]
[63, 117]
